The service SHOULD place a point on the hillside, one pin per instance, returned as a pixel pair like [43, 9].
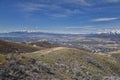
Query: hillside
[60, 63]
[10, 47]
[78, 64]
[42, 44]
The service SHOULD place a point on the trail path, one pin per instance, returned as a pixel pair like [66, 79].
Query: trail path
[47, 51]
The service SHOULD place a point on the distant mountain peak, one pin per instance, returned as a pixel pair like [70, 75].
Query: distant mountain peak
[110, 32]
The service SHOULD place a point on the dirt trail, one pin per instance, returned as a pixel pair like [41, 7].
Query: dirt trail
[43, 52]
[114, 52]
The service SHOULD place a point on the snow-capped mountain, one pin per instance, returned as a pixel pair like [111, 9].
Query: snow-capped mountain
[110, 32]
[112, 35]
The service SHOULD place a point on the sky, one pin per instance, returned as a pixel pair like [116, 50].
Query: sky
[60, 16]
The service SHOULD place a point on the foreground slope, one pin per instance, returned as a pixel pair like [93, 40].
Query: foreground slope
[10, 47]
[75, 64]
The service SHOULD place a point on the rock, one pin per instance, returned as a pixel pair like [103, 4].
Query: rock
[92, 61]
[111, 78]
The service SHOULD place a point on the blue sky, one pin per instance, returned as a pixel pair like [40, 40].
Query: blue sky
[60, 16]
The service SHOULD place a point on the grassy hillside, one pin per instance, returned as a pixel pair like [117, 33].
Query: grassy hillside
[10, 47]
[71, 63]
[59, 63]
[42, 44]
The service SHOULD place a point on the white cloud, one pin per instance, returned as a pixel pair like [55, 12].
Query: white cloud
[80, 27]
[73, 27]
[53, 5]
[65, 13]
[104, 19]
[75, 11]
[30, 7]
[54, 10]
[58, 15]
[112, 1]
[78, 2]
